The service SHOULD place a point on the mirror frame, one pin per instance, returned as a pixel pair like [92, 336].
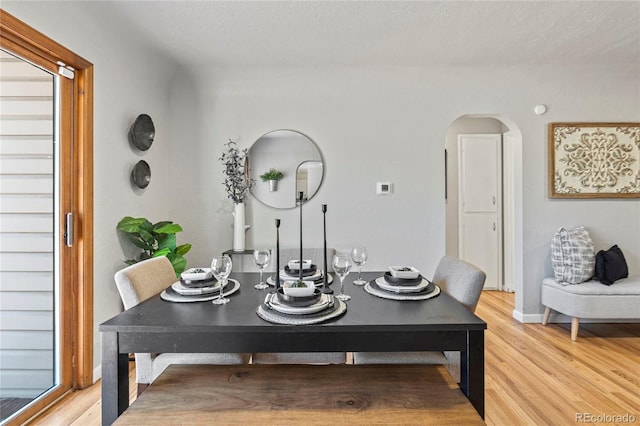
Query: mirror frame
[291, 171]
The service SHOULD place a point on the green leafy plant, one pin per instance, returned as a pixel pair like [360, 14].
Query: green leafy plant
[272, 174]
[155, 240]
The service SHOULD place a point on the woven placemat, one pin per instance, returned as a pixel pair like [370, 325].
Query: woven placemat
[270, 315]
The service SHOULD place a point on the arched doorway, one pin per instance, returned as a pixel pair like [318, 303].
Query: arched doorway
[511, 184]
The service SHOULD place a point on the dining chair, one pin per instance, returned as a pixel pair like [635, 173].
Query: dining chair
[317, 258]
[462, 281]
[138, 282]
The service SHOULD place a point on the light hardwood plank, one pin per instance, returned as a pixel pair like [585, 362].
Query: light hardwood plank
[535, 374]
[302, 394]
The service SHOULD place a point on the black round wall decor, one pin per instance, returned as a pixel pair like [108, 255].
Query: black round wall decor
[141, 174]
[142, 132]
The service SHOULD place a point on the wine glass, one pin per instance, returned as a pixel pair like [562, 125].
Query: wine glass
[359, 257]
[341, 266]
[261, 258]
[221, 268]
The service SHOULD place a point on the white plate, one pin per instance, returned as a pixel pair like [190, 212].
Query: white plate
[272, 301]
[171, 296]
[190, 291]
[368, 287]
[383, 284]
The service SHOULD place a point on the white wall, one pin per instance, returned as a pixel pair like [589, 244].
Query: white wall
[129, 79]
[390, 124]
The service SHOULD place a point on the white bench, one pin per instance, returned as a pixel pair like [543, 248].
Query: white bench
[592, 300]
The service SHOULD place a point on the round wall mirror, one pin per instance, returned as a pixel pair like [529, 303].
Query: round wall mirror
[298, 160]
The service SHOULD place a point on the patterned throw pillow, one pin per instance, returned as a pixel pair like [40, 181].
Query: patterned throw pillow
[573, 256]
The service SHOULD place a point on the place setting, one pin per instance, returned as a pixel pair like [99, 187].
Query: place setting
[309, 272]
[300, 303]
[302, 269]
[301, 293]
[402, 283]
[204, 284]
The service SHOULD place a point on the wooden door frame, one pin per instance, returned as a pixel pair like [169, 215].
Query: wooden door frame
[21, 39]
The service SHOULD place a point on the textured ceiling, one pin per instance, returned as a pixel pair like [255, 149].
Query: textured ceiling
[387, 33]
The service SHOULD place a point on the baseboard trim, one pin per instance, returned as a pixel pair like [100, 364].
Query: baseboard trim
[526, 318]
[97, 373]
[561, 319]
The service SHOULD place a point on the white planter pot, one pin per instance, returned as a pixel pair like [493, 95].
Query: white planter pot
[239, 227]
[273, 185]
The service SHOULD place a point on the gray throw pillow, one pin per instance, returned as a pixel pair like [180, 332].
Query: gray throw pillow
[573, 256]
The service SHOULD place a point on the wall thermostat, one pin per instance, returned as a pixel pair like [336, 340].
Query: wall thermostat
[383, 188]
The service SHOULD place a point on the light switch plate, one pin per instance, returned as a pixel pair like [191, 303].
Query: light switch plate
[384, 188]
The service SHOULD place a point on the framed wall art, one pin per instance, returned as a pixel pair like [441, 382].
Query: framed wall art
[594, 160]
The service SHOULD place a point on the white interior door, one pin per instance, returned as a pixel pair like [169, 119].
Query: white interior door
[480, 204]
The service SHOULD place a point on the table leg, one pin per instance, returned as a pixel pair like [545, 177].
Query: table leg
[115, 379]
[472, 370]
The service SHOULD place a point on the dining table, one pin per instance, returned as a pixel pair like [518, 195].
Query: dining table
[369, 324]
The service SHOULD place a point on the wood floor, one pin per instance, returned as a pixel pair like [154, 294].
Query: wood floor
[535, 375]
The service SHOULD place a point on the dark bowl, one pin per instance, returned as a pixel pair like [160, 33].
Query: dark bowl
[198, 283]
[401, 281]
[299, 301]
[296, 272]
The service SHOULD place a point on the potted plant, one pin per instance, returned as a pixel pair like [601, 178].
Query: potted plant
[272, 176]
[237, 184]
[155, 239]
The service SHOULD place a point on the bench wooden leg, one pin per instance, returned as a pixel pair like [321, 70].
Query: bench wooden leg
[142, 387]
[547, 313]
[575, 323]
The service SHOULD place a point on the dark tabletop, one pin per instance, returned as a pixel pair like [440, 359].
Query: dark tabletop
[364, 312]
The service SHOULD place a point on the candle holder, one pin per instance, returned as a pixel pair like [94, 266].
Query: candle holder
[325, 272]
[276, 280]
[301, 200]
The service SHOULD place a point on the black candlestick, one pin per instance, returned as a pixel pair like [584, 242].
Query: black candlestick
[325, 275]
[300, 270]
[276, 281]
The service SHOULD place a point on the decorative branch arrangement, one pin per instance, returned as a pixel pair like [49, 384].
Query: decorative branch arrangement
[236, 182]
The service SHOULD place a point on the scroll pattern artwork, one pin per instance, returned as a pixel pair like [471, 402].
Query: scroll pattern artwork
[594, 160]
